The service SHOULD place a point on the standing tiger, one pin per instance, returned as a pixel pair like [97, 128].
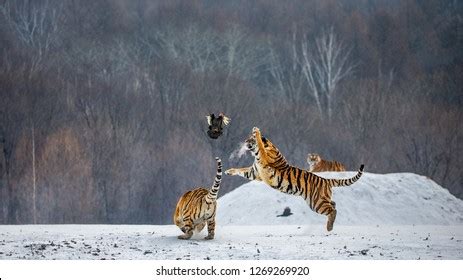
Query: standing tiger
[197, 207]
[317, 164]
[272, 168]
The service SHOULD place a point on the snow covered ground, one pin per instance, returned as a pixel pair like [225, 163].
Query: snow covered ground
[232, 242]
[393, 216]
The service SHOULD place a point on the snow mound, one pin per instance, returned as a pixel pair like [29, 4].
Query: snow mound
[389, 199]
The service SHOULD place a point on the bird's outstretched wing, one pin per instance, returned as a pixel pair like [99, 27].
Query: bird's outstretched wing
[226, 120]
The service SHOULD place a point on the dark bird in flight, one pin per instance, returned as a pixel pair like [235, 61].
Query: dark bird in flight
[216, 125]
[286, 212]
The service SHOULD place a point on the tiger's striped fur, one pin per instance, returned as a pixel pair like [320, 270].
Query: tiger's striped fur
[197, 207]
[272, 168]
[317, 164]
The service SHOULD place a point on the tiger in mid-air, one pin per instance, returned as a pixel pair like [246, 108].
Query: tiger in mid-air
[272, 168]
[197, 207]
[317, 164]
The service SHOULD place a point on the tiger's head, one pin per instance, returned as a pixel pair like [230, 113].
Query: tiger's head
[270, 149]
[313, 159]
[251, 144]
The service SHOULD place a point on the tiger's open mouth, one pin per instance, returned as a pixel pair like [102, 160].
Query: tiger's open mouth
[250, 143]
[249, 146]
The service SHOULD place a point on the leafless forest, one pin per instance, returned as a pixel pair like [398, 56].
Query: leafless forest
[103, 103]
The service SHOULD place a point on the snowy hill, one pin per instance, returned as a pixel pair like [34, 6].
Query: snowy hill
[389, 199]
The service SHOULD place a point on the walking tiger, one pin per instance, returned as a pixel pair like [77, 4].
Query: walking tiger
[197, 207]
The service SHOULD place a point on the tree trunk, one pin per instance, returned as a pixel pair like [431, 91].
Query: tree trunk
[34, 185]
[3, 188]
[329, 105]
[12, 198]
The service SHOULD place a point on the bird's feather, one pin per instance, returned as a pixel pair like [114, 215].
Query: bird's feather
[226, 120]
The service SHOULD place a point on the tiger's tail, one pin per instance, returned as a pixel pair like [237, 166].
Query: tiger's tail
[346, 182]
[212, 195]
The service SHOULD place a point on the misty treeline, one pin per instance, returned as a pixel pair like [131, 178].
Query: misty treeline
[103, 103]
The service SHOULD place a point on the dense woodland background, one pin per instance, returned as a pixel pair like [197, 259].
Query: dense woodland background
[103, 103]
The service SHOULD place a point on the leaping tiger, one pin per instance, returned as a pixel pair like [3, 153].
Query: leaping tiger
[271, 167]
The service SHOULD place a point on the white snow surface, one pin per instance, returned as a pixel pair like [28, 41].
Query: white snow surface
[393, 216]
[375, 199]
[231, 242]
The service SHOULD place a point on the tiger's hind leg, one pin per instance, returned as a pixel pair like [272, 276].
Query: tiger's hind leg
[210, 228]
[187, 230]
[328, 208]
[199, 227]
[331, 219]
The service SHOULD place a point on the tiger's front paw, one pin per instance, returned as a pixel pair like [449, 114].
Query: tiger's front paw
[231, 171]
[255, 132]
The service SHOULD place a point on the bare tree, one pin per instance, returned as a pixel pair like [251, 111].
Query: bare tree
[242, 56]
[36, 25]
[285, 70]
[198, 48]
[9, 135]
[324, 66]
